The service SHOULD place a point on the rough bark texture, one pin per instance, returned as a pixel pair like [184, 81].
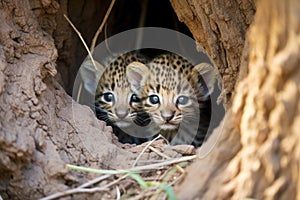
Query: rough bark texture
[41, 129]
[262, 149]
[220, 30]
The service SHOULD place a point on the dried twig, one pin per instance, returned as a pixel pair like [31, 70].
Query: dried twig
[134, 169]
[81, 38]
[146, 147]
[116, 181]
[167, 157]
[94, 181]
[118, 193]
[81, 188]
[101, 26]
[87, 49]
[74, 191]
[176, 180]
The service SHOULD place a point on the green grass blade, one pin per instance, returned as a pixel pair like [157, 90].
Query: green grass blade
[169, 191]
[139, 179]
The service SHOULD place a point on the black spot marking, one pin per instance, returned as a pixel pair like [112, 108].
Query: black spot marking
[113, 85]
[178, 88]
[158, 88]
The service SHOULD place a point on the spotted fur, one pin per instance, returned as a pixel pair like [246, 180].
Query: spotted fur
[115, 103]
[175, 95]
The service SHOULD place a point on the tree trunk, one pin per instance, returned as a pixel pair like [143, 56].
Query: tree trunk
[41, 128]
[258, 153]
[220, 30]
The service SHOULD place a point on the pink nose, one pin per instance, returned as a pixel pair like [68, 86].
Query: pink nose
[167, 116]
[121, 114]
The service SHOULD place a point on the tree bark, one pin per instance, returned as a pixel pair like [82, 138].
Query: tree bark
[258, 153]
[41, 128]
[219, 30]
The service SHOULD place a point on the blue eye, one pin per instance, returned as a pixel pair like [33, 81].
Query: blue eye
[182, 100]
[154, 99]
[108, 97]
[134, 98]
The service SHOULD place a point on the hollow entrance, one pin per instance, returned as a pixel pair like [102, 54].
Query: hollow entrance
[87, 17]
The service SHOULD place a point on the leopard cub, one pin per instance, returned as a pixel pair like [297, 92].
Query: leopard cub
[116, 104]
[175, 95]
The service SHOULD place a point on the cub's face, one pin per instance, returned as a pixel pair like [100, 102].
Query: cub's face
[169, 98]
[115, 102]
[167, 108]
[171, 90]
[117, 106]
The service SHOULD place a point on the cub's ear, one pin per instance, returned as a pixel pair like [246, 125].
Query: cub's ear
[204, 72]
[137, 74]
[90, 74]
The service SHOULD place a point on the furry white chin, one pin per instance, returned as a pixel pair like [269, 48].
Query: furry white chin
[168, 126]
[122, 124]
